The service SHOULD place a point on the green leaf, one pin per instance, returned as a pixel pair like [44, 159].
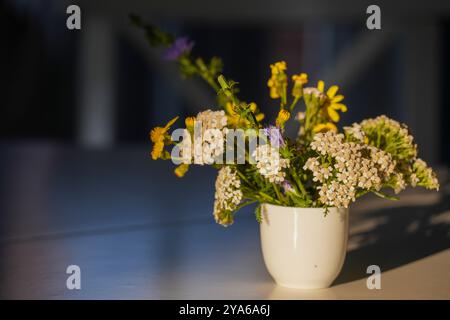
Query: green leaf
[223, 82]
[286, 153]
[385, 196]
[258, 214]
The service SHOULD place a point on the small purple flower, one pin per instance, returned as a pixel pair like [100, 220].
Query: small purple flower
[274, 135]
[179, 47]
[287, 186]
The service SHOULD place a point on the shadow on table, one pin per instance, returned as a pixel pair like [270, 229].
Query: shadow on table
[403, 235]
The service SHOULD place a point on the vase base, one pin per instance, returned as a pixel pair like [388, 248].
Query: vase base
[303, 287]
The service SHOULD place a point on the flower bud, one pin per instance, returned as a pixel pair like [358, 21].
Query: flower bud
[181, 170]
[283, 116]
[190, 121]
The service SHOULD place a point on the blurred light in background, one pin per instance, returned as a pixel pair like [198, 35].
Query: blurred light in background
[103, 86]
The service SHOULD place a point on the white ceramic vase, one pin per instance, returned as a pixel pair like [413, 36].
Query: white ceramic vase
[302, 247]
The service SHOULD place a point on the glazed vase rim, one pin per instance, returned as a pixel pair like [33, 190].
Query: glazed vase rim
[309, 208]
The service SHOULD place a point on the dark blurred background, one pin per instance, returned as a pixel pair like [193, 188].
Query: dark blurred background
[101, 86]
[77, 105]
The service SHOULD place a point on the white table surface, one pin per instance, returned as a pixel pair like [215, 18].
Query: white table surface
[137, 232]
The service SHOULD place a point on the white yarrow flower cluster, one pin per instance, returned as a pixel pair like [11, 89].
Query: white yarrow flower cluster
[212, 119]
[353, 166]
[382, 160]
[186, 148]
[399, 182]
[336, 194]
[423, 175]
[355, 131]
[209, 144]
[212, 146]
[269, 163]
[228, 195]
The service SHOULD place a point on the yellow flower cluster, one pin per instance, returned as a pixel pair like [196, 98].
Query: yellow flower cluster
[278, 80]
[333, 102]
[158, 136]
[299, 81]
[324, 127]
[235, 120]
[328, 102]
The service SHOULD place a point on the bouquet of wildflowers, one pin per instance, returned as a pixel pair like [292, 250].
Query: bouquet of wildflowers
[321, 167]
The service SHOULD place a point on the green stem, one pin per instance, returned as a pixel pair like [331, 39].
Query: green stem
[294, 103]
[299, 183]
[283, 97]
[244, 204]
[384, 196]
[277, 191]
[267, 197]
[243, 177]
